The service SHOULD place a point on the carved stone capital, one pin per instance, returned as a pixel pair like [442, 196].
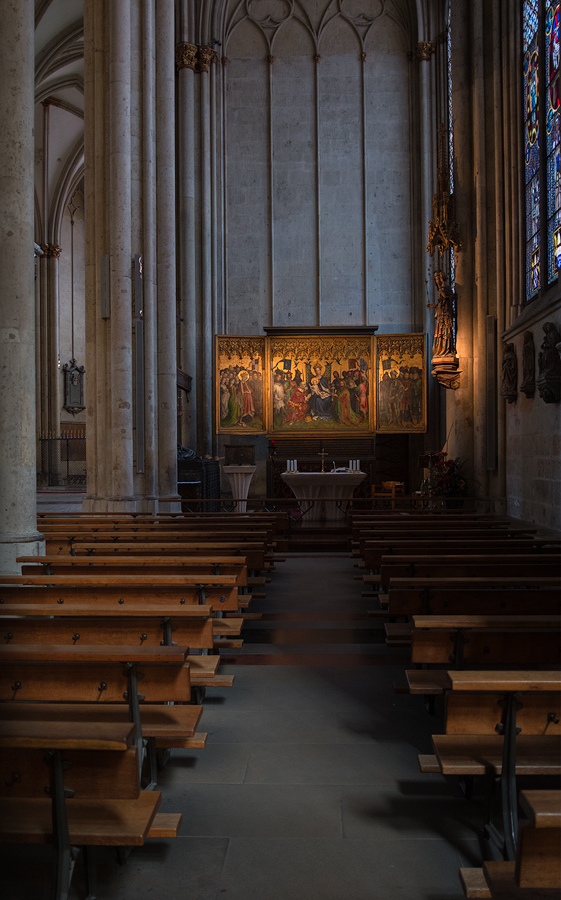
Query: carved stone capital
[186, 56]
[205, 57]
[51, 251]
[425, 50]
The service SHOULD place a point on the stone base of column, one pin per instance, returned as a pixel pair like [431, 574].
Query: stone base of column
[13, 546]
[148, 505]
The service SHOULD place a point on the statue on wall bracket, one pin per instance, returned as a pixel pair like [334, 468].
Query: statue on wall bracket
[73, 387]
[445, 363]
[549, 365]
[528, 385]
[509, 384]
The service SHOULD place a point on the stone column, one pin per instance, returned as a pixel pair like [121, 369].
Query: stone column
[165, 223]
[186, 57]
[120, 241]
[50, 261]
[18, 493]
[206, 58]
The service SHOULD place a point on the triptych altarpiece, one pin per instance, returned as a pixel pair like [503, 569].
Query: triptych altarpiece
[321, 383]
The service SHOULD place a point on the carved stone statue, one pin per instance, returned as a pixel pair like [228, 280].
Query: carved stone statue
[443, 342]
[528, 385]
[510, 373]
[549, 365]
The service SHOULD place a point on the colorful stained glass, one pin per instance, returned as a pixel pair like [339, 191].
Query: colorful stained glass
[530, 21]
[553, 143]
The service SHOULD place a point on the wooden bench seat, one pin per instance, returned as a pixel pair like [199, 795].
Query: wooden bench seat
[506, 724]
[95, 796]
[169, 726]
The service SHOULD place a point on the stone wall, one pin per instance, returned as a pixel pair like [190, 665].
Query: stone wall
[318, 170]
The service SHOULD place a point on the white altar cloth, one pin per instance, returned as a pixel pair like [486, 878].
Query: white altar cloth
[316, 486]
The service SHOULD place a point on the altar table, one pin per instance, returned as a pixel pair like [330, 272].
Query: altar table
[317, 486]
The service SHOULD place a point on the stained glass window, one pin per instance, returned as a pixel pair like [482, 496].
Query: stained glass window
[553, 144]
[542, 140]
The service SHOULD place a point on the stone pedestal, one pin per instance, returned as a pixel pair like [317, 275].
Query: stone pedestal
[239, 478]
[327, 490]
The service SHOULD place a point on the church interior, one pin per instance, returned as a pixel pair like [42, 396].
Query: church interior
[281, 328]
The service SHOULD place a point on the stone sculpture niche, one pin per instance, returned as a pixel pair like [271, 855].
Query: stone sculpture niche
[528, 385]
[549, 365]
[509, 388]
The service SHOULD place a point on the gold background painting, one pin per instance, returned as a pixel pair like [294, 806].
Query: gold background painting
[241, 390]
[401, 379]
[321, 385]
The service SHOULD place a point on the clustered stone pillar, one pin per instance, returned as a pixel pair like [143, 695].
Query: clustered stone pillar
[18, 497]
[130, 202]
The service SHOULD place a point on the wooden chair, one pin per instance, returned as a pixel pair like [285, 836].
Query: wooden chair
[387, 489]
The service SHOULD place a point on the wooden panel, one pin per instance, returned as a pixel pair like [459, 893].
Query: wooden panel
[82, 682]
[506, 681]
[474, 884]
[79, 653]
[479, 713]
[165, 825]
[542, 808]
[482, 754]
[501, 880]
[530, 648]
[158, 721]
[124, 595]
[102, 822]
[193, 633]
[33, 731]
[91, 774]
[538, 862]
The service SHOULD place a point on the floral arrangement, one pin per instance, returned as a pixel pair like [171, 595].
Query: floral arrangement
[445, 477]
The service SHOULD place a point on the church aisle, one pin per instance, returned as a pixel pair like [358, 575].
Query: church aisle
[308, 787]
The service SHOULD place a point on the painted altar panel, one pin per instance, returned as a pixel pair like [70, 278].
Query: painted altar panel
[241, 384]
[321, 385]
[401, 383]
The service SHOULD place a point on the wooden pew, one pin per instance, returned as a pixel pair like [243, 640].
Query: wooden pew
[94, 586]
[254, 554]
[467, 565]
[478, 641]
[135, 624]
[499, 640]
[151, 565]
[95, 797]
[95, 675]
[475, 596]
[375, 550]
[500, 724]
